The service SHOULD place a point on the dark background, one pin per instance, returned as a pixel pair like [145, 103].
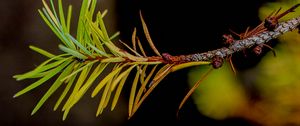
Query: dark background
[176, 27]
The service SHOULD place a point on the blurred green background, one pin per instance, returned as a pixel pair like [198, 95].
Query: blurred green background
[267, 94]
[263, 93]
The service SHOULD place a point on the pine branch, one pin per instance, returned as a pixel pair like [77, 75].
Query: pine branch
[236, 46]
[87, 55]
[239, 45]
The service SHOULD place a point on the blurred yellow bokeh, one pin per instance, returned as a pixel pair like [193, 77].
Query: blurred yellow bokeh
[277, 80]
[219, 94]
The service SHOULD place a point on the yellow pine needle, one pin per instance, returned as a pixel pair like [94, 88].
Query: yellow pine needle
[143, 73]
[128, 47]
[69, 18]
[113, 59]
[108, 90]
[132, 92]
[153, 83]
[78, 70]
[162, 71]
[118, 92]
[146, 63]
[122, 75]
[107, 98]
[97, 71]
[102, 26]
[78, 84]
[63, 95]
[104, 13]
[50, 13]
[189, 64]
[135, 58]
[114, 35]
[106, 80]
[104, 99]
[143, 86]
[80, 92]
[66, 112]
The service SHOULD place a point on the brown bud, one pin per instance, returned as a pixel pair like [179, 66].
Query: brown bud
[257, 50]
[271, 23]
[228, 38]
[167, 57]
[217, 62]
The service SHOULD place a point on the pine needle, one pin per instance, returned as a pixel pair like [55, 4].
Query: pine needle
[193, 89]
[147, 34]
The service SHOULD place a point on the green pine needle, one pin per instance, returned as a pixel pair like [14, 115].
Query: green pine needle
[53, 88]
[41, 51]
[86, 55]
[44, 79]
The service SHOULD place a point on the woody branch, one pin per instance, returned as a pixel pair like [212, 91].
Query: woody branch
[238, 45]
[271, 30]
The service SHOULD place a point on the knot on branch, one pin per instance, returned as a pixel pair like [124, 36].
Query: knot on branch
[217, 62]
[174, 59]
